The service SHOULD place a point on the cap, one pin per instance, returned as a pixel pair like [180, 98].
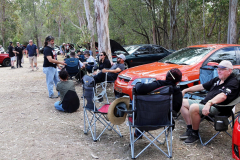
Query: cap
[86, 52]
[10, 42]
[122, 56]
[225, 64]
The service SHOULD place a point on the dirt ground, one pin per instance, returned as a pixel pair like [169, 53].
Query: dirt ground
[31, 128]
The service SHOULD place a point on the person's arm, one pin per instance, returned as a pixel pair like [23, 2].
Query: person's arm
[193, 89]
[37, 52]
[142, 88]
[26, 53]
[50, 59]
[112, 71]
[216, 100]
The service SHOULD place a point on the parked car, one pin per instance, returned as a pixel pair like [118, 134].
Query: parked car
[142, 54]
[56, 49]
[188, 60]
[5, 59]
[236, 140]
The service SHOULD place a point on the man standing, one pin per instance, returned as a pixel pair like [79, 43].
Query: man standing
[32, 53]
[18, 50]
[49, 66]
[221, 90]
[11, 54]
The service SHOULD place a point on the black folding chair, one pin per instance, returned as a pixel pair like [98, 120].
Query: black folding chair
[151, 112]
[221, 121]
[94, 114]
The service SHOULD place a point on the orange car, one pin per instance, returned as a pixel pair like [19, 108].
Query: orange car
[188, 60]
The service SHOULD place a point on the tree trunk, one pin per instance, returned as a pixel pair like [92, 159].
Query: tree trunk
[3, 19]
[204, 34]
[35, 23]
[232, 22]
[90, 26]
[101, 15]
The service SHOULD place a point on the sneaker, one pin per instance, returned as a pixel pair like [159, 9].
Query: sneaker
[135, 135]
[192, 138]
[37, 68]
[53, 96]
[186, 134]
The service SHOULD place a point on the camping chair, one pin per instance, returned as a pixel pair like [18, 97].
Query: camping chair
[220, 121]
[73, 68]
[94, 114]
[151, 112]
[206, 74]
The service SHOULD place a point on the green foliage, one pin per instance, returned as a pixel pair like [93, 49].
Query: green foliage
[130, 22]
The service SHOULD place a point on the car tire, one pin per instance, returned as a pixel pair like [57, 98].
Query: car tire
[126, 65]
[6, 63]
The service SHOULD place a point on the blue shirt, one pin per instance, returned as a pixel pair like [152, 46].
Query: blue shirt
[31, 50]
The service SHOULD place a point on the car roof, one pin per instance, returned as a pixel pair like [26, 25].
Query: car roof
[213, 45]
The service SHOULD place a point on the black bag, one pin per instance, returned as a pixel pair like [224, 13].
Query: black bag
[221, 123]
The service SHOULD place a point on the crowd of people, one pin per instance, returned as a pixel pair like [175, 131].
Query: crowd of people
[221, 90]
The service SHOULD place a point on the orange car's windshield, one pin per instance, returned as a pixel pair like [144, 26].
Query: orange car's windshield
[186, 56]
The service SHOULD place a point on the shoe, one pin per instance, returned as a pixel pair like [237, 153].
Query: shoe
[140, 137]
[53, 96]
[21, 66]
[193, 138]
[12, 67]
[186, 134]
[37, 68]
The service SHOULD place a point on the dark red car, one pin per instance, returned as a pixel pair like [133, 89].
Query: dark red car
[5, 60]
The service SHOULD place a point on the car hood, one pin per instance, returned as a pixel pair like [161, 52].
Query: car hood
[114, 46]
[156, 70]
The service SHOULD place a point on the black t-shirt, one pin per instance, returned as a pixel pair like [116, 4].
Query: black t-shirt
[48, 51]
[143, 89]
[10, 51]
[105, 64]
[230, 88]
[19, 49]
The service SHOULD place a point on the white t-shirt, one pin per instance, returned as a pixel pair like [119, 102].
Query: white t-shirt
[91, 59]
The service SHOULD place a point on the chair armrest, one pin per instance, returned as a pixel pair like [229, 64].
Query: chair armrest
[91, 63]
[233, 103]
[125, 110]
[187, 82]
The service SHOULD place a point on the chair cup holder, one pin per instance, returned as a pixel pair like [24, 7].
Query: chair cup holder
[221, 123]
[100, 98]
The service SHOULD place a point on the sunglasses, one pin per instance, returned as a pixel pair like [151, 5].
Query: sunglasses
[101, 55]
[119, 58]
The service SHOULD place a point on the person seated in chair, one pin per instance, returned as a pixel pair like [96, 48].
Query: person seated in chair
[103, 62]
[74, 65]
[69, 100]
[113, 72]
[173, 77]
[90, 61]
[80, 56]
[221, 90]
